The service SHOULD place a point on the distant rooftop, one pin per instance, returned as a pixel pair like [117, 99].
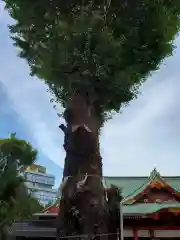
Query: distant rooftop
[36, 168]
[131, 184]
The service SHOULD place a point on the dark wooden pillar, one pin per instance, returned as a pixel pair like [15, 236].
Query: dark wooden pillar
[151, 234]
[135, 234]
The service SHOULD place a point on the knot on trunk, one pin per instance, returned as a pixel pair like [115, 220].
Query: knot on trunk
[79, 137]
[82, 142]
[73, 186]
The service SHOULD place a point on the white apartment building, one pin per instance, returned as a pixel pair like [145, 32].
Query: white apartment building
[40, 184]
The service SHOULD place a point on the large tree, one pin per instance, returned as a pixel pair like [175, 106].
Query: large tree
[93, 55]
[15, 202]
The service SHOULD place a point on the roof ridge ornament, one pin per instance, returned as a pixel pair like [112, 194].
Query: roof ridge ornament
[154, 174]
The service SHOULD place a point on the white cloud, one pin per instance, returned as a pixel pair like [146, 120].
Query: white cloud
[145, 134]
[2, 5]
[30, 100]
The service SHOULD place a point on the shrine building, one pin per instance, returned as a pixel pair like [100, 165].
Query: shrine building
[150, 210]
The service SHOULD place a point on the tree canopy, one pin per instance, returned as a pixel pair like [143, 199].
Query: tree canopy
[17, 151]
[106, 48]
[15, 202]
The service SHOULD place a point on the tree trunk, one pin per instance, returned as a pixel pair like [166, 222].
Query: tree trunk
[83, 204]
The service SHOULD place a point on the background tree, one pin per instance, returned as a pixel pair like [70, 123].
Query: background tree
[15, 202]
[93, 55]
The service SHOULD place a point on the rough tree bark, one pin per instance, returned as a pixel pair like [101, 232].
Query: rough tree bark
[83, 206]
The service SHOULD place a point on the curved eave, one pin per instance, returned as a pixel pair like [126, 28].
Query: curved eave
[51, 209]
[138, 193]
[46, 214]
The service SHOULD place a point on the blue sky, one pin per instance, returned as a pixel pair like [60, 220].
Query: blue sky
[145, 134]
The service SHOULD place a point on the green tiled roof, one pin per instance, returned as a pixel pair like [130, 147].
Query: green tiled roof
[148, 208]
[132, 186]
[174, 182]
[127, 184]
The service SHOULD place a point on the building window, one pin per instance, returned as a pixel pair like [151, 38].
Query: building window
[50, 181]
[29, 177]
[45, 196]
[39, 179]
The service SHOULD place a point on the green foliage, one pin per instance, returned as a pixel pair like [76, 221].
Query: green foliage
[15, 202]
[17, 151]
[106, 48]
[30, 205]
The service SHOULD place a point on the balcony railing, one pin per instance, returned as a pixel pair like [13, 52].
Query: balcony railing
[38, 228]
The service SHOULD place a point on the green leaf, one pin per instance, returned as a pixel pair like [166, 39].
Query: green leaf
[106, 48]
[15, 202]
